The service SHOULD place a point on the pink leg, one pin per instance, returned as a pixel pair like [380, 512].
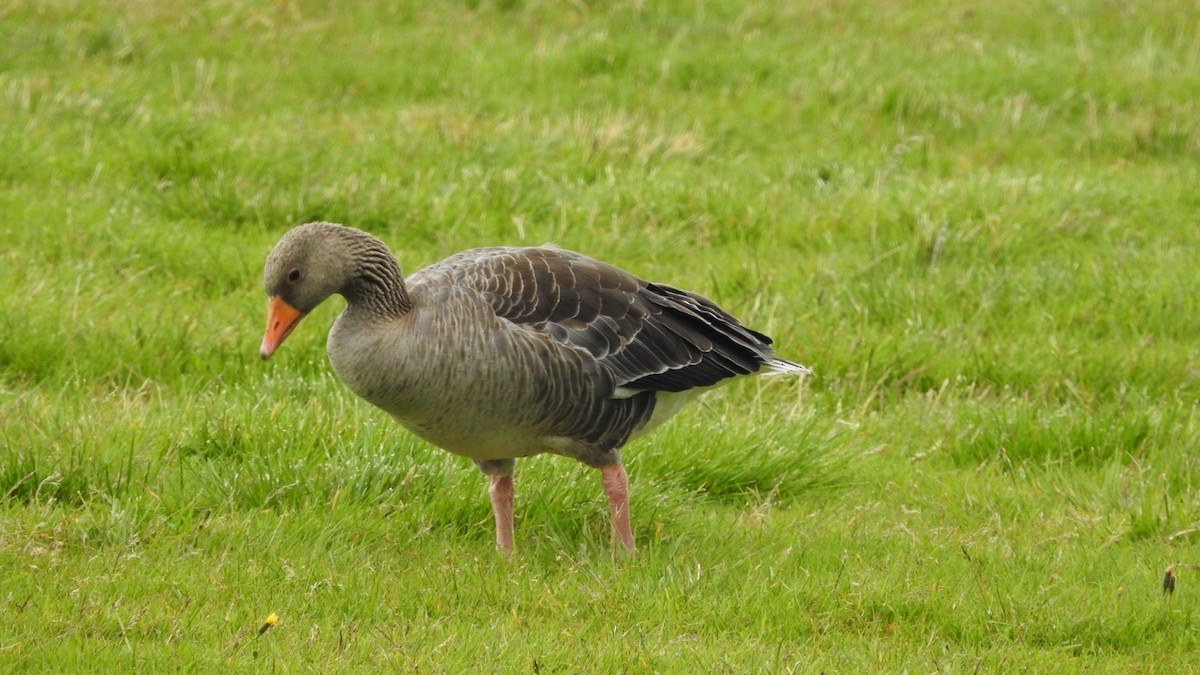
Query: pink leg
[616, 486]
[500, 489]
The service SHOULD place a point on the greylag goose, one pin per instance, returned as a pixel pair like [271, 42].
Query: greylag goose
[502, 353]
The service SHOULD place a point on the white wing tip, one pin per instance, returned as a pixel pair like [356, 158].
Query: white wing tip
[781, 367]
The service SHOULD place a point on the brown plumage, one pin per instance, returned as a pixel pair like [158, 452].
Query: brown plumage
[501, 353]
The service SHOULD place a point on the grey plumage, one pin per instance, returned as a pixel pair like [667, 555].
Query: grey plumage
[500, 353]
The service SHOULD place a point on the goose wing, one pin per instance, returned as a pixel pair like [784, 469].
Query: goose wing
[651, 336]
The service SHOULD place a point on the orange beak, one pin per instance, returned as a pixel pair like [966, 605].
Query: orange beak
[281, 319]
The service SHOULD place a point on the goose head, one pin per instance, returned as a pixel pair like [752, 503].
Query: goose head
[310, 263]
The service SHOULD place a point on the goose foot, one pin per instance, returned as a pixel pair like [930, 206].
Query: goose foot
[616, 486]
[500, 490]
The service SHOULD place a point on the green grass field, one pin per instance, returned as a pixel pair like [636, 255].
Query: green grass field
[979, 223]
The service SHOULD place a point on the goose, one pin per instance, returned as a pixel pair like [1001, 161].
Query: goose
[502, 353]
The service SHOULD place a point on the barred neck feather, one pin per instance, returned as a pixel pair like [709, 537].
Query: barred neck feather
[377, 284]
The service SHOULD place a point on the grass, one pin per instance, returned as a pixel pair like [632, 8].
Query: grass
[977, 223]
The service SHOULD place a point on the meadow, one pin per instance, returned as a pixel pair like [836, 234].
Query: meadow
[978, 223]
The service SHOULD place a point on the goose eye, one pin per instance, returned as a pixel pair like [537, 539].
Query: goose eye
[293, 276]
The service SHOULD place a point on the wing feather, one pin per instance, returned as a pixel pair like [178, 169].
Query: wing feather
[650, 336]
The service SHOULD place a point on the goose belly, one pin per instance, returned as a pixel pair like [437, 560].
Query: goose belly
[480, 438]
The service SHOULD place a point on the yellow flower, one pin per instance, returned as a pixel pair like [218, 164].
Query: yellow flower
[270, 621]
